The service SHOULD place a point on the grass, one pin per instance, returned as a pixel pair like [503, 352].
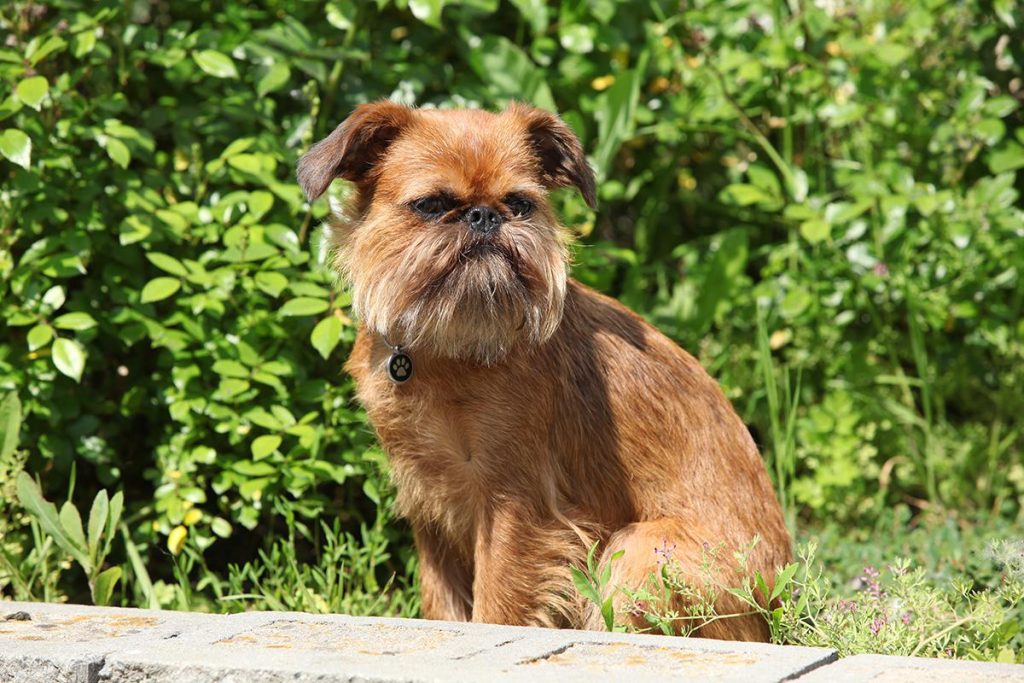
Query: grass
[899, 607]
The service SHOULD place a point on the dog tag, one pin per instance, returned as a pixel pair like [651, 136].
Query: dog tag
[399, 366]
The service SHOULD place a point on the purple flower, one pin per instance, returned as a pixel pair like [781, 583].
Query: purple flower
[664, 553]
[869, 582]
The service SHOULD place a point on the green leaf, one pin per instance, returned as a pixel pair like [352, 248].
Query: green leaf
[535, 12]
[71, 522]
[275, 78]
[263, 446]
[230, 368]
[248, 163]
[795, 302]
[578, 38]
[32, 90]
[1009, 158]
[55, 297]
[103, 588]
[608, 612]
[76, 320]
[798, 185]
[617, 116]
[39, 336]
[815, 230]
[167, 263]
[271, 282]
[583, 585]
[254, 469]
[113, 518]
[326, 335]
[69, 357]
[744, 194]
[10, 424]
[221, 527]
[45, 512]
[782, 580]
[16, 147]
[98, 523]
[216, 63]
[260, 202]
[428, 11]
[117, 151]
[37, 51]
[159, 289]
[304, 305]
[892, 53]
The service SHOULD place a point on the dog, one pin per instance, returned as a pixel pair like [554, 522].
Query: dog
[526, 416]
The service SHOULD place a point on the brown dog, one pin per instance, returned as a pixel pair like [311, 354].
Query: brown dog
[525, 415]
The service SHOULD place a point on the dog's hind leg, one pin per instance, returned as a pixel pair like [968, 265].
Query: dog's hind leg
[671, 570]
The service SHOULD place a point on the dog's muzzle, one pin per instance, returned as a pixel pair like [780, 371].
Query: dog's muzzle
[483, 220]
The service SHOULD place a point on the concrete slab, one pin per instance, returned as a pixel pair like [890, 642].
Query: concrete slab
[89, 644]
[883, 669]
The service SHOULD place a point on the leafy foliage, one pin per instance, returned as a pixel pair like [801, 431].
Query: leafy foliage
[819, 199]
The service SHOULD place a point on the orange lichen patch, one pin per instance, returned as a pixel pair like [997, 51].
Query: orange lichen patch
[602, 656]
[362, 639]
[79, 628]
[133, 622]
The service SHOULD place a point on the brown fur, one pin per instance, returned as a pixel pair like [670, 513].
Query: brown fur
[541, 416]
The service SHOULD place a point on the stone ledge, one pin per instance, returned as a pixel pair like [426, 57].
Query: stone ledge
[91, 644]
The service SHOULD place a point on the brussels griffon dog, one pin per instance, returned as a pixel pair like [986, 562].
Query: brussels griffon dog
[526, 416]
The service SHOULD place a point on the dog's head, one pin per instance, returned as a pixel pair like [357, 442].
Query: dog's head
[448, 242]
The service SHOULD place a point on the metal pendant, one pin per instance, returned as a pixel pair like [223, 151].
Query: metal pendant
[399, 366]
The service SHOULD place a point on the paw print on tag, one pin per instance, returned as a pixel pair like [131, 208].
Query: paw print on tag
[399, 367]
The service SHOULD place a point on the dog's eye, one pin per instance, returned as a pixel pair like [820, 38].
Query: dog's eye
[433, 206]
[519, 206]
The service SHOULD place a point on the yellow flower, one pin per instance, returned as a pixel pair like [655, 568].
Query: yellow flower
[686, 181]
[602, 82]
[176, 539]
[659, 84]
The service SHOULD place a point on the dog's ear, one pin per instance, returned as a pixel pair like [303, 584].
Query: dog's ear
[562, 162]
[354, 147]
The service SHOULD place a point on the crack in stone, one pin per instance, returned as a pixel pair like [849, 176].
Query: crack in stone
[474, 653]
[546, 655]
[832, 658]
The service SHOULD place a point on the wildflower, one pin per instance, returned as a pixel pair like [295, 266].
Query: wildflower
[905, 618]
[664, 553]
[877, 625]
[869, 582]
[880, 269]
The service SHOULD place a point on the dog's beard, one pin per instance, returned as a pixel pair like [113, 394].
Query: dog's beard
[454, 294]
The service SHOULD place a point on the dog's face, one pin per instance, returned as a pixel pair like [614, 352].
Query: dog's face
[449, 244]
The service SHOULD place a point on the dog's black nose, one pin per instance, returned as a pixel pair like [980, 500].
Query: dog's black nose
[483, 219]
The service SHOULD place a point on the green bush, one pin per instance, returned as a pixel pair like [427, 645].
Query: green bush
[819, 199]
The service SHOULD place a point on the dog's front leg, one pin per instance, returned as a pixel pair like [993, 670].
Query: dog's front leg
[445, 580]
[521, 572]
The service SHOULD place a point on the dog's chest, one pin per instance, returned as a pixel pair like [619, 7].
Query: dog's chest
[448, 449]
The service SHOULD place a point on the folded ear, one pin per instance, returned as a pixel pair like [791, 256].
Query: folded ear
[562, 162]
[353, 149]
